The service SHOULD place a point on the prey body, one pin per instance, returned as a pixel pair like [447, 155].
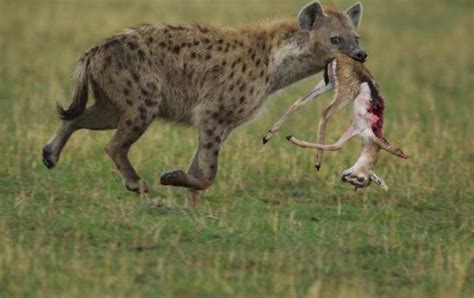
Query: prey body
[353, 84]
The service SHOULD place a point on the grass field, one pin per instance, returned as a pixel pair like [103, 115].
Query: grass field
[271, 226]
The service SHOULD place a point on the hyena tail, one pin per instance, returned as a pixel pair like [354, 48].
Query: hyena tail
[81, 92]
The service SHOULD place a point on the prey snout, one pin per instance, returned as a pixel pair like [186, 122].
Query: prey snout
[362, 180]
[357, 180]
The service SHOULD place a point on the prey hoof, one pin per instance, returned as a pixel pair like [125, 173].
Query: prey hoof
[48, 159]
[172, 178]
[139, 186]
[267, 137]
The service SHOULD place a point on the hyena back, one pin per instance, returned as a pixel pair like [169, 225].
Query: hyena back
[212, 78]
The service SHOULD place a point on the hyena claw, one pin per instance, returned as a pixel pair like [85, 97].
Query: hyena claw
[137, 187]
[48, 164]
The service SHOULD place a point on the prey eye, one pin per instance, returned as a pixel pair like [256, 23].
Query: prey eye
[336, 40]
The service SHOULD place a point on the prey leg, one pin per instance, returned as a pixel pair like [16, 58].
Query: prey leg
[338, 103]
[320, 89]
[389, 148]
[349, 134]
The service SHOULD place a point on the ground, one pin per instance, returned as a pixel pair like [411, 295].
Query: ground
[271, 226]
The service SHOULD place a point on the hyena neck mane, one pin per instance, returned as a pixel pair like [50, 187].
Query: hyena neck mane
[286, 46]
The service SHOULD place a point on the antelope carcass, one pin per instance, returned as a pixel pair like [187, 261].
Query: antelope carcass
[368, 124]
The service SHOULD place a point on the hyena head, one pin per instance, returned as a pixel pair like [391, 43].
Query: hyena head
[333, 31]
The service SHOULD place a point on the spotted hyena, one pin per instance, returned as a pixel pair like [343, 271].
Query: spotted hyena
[214, 79]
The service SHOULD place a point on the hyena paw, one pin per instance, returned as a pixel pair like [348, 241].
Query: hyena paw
[172, 178]
[49, 158]
[138, 186]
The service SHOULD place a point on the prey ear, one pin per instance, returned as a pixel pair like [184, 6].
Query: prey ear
[379, 181]
[309, 15]
[355, 14]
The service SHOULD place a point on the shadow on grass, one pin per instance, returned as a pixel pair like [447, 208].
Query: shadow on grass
[158, 206]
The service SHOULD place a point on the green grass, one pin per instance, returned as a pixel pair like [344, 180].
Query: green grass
[271, 225]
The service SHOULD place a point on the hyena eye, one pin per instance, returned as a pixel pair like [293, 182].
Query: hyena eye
[336, 40]
[357, 39]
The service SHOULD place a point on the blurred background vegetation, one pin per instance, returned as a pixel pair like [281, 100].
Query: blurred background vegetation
[271, 225]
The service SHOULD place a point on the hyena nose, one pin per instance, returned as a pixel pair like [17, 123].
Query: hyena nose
[361, 55]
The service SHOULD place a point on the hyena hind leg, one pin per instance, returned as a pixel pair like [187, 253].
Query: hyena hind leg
[96, 117]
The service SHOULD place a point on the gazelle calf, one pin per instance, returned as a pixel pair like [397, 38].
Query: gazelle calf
[354, 84]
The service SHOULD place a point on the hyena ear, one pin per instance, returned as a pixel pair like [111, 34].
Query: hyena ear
[309, 15]
[355, 14]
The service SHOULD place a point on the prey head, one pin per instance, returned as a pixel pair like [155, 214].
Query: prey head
[360, 175]
[363, 179]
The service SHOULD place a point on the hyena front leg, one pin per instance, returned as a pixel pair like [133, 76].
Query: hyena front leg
[203, 169]
[96, 117]
[130, 128]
